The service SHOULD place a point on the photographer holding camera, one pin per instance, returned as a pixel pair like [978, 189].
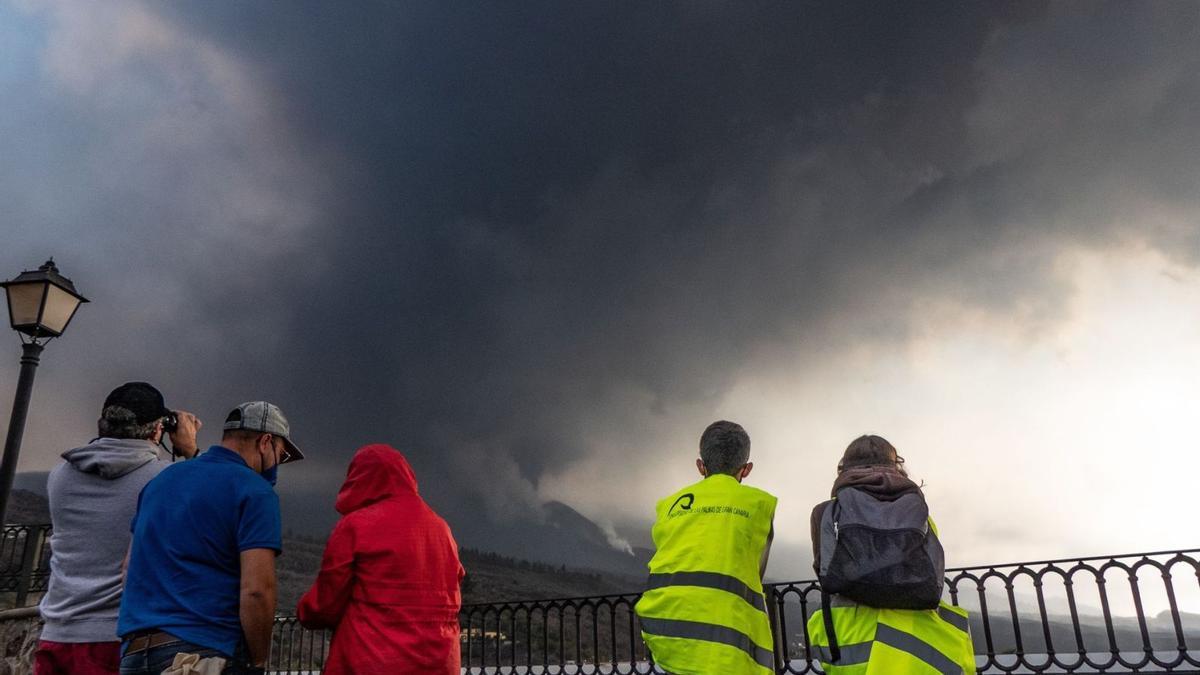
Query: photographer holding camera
[93, 496]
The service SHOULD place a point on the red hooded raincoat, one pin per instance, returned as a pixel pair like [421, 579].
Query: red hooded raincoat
[389, 581]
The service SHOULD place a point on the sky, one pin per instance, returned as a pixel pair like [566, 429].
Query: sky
[539, 247]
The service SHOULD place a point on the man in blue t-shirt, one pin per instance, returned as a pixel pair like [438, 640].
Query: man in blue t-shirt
[201, 571]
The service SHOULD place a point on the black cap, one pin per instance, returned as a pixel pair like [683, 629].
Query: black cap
[140, 398]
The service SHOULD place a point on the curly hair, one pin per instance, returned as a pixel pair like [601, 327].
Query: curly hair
[118, 422]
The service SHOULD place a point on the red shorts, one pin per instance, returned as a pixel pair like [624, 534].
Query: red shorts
[77, 658]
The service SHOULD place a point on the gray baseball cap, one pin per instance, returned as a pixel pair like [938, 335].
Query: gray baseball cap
[267, 418]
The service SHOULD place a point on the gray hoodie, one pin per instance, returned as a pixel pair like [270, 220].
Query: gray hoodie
[93, 496]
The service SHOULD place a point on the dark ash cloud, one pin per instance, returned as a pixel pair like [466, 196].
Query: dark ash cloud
[493, 234]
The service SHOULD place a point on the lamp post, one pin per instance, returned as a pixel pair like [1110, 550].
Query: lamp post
[41, 303]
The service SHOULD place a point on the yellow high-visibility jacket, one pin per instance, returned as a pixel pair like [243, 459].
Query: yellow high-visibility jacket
[703, 612]
[894, 641]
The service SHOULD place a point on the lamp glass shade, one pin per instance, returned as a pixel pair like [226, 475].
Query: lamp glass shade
[59, 307]
[25, 304]
[41, 302]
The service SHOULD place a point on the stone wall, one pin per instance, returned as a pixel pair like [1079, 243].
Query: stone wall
[19, 631]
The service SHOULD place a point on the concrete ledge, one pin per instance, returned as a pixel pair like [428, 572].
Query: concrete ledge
[19, 613]
[19, 632]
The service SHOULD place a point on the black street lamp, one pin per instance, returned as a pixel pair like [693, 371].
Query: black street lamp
[41, 303]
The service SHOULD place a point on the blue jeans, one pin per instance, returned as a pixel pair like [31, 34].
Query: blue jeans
[156, 659]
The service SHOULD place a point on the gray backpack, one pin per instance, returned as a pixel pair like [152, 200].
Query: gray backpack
[879, 553]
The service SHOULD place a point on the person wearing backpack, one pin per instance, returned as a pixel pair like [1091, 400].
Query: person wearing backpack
[881, 568]
[703, 612]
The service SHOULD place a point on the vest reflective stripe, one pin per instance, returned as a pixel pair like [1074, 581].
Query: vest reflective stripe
[885, 641]
[703, 611]
[954, 619]
[693, 630]
[722, 582]
[911, 644]
[857, 654]
[852, 655]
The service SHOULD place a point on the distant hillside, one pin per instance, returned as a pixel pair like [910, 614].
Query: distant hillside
[296, 569]
[33, 481]
[27, 508]
[490, 577]
[557, 535]
[494, 578]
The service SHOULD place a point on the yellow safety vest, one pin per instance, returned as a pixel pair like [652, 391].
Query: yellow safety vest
[894, 641]
[703, 612]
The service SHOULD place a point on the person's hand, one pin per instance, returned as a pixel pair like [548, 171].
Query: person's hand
[183, 439]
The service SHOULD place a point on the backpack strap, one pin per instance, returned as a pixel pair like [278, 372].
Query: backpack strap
[835, 513]
[835, 653]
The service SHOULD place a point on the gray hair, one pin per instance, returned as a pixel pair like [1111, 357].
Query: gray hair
[118, 422]
[724, 447]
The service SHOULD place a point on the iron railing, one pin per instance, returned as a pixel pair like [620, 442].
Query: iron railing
[1114, 614]
[24, 563]
[296, 649]
[1137, 613]
[1074, 615]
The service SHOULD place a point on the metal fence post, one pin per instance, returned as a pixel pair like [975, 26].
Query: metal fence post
[29, 562]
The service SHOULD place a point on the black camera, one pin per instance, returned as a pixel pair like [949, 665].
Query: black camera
[170, 422]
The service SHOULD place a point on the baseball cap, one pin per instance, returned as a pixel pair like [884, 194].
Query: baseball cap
[140, 398]
[267, 418]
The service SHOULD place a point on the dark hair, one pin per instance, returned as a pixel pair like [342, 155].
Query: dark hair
[118, 422]
[724, 447]
[870, 450]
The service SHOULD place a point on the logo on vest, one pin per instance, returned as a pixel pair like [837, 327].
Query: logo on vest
[683, 507]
